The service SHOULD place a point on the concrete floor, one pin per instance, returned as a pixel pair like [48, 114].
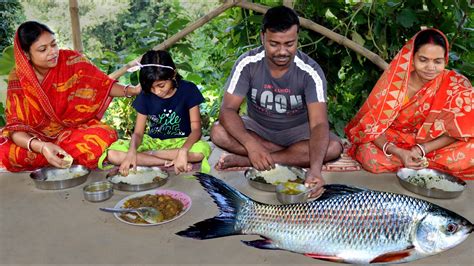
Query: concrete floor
[60, 227]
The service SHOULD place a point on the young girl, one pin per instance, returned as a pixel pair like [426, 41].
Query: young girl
[171, 106]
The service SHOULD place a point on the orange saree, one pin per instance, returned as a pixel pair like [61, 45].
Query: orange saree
[443, 106]
[65, 108]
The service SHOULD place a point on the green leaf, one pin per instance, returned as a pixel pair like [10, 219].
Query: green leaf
[193, 77]
[184, 66]
[356, 37]
[7, 61]
[178, 24]
[407, 18]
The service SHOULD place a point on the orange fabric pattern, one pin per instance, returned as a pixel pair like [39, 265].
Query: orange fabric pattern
[65, 108]
[443, 106]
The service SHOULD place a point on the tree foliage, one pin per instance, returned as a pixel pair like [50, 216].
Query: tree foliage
[11, 13]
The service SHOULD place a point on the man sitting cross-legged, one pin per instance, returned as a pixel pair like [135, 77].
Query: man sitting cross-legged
[286, 102]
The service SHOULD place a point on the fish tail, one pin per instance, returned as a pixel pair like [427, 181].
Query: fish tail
[229, 202]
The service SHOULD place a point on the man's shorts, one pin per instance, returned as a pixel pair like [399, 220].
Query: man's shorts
[283, 138]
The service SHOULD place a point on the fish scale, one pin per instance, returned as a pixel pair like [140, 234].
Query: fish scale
[344, 221]
[346, 224]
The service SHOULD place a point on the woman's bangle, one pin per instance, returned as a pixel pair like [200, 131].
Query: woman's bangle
[423, 152]
[42, 147]
[385, 147]
[28, 145]
[125, 91]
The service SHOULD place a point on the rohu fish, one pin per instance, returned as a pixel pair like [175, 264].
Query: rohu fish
[346, 224]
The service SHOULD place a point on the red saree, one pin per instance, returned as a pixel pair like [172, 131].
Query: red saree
[64, 109]
[444, 105]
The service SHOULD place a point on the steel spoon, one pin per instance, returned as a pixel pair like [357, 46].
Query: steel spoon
[149, 214]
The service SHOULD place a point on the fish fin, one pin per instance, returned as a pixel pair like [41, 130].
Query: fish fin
[325, 257]
[261, 244]
[335, 190]
[228, 200]
[393, 256]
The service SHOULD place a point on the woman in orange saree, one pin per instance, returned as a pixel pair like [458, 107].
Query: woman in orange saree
[55, 99]
[418, 115]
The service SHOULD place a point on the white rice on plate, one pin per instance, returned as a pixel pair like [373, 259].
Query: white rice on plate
[139, 178]
[277, 175]
[433, 181]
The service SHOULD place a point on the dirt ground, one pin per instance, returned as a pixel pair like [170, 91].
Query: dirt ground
[61, 227]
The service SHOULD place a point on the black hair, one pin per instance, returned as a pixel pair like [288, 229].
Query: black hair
[29, 32]
[280, 19]
[150, 74]
[429, 36]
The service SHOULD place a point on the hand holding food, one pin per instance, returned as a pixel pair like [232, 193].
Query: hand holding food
[56, 156]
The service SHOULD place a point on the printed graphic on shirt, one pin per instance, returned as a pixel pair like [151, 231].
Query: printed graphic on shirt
[169, 122]
[279, 100]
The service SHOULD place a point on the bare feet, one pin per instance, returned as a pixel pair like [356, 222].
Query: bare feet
[169, 167]
[232, 162]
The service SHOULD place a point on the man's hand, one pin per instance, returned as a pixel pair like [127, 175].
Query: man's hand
[259, 157]
[315, 181]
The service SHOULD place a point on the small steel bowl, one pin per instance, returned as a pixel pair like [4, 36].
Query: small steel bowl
[286, 198]
[256, 181]
[140, 187]
[404, 175]
[98, 191]
[49, 178]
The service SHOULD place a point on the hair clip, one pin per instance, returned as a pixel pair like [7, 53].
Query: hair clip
[140, 66]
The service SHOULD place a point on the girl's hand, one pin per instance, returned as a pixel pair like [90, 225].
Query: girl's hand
[181, 161]
[129, 162]
[55, 155]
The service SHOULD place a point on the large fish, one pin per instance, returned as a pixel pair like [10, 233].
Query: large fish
[346, 224]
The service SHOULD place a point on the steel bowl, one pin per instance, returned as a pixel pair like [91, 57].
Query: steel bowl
[49, 178]
[98, 191]
[139, 187]
[405, 174]
[286, 198]
[258, 182]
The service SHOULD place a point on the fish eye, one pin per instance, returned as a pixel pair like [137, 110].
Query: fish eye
[452, 228]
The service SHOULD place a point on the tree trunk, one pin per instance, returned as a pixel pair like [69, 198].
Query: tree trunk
[76, 26]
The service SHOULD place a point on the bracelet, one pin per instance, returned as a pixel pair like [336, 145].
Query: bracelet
[423, 152]
[385, 147]
[125, 90]
[28, 145]
[42, 147]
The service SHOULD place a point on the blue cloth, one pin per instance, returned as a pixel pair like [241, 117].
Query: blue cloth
[169, 118]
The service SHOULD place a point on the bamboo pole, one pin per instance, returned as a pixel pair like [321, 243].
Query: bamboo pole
[181, 34]
[76, 26]
[377, 60]
[289, 3]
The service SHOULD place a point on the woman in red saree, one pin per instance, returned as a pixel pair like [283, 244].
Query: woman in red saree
[418, 115]
[55, 99]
